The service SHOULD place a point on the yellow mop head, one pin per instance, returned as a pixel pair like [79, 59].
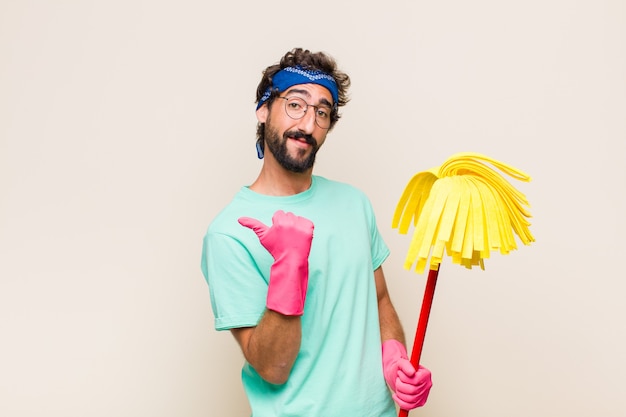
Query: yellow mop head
[465, 207]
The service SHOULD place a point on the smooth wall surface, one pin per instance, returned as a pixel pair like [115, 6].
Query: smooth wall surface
[125, 126]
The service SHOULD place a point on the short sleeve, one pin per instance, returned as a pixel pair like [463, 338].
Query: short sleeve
[237, 287]
[380, 250]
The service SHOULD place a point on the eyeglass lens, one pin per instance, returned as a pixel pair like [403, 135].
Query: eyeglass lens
[296, 108]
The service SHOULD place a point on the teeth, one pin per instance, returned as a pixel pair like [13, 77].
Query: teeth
[465, 207]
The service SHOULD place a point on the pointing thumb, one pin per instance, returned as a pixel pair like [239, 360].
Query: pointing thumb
[258, 227]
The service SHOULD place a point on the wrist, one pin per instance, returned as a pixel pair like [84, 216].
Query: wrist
[286, 292]
[392, 351]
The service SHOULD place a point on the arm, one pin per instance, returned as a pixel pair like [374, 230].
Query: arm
[390, 327]
[410, 386]
[272, 346]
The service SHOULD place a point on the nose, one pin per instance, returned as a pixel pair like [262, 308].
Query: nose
[307, 122]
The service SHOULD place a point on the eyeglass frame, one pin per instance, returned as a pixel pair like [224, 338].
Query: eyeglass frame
[331, 109]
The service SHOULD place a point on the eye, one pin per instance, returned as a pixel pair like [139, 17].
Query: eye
[295, 104]
[323, 113]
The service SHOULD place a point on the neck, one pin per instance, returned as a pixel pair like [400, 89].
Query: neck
[277, 181]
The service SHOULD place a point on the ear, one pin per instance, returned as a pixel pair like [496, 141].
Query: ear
[261, 113]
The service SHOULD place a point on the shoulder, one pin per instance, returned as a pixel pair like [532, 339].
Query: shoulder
[342, 200]
[341, 188]
[226, 220]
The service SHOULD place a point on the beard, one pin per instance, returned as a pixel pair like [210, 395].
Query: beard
[277, 145]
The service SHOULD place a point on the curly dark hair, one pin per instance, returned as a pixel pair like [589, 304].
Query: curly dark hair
[316, 61]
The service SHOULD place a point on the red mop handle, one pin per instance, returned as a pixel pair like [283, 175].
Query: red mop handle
[422, 323]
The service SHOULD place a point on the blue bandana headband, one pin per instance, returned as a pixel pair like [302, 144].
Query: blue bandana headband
[291, 76]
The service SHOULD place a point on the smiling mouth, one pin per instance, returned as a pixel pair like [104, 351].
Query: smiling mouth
[303, 139]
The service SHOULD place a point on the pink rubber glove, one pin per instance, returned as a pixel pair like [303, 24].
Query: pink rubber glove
[410, 387]
[289, 242]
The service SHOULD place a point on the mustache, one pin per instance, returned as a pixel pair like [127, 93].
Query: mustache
[299, 135]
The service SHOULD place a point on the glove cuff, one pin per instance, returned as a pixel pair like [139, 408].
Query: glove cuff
[393, 351]
[286, 293]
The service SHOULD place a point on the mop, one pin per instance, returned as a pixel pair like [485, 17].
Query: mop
[466, 209]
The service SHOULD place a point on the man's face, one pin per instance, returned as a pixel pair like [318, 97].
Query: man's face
[294, 142]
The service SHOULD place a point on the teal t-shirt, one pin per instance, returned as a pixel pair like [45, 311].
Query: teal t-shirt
[338, 371]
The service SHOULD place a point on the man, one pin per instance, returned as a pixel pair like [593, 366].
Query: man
[293, 266]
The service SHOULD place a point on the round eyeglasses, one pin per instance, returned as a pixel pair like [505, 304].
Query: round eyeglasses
[296, 108]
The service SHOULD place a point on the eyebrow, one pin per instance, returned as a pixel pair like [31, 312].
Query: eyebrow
[307, 94]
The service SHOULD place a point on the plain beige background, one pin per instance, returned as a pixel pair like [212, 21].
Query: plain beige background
[125, 126]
